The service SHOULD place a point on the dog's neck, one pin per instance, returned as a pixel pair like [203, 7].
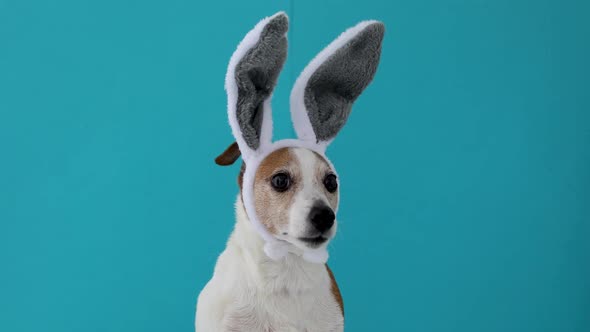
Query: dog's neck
[289, 274]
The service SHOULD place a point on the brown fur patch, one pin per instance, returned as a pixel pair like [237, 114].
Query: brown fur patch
[323, 169]
[276, 160]
[335, 290]
[273, 207]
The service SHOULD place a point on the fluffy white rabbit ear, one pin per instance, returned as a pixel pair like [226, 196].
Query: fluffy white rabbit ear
[322, 97]
[250, 80]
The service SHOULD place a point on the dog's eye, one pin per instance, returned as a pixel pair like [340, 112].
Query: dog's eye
[331, 183]
[281, 182]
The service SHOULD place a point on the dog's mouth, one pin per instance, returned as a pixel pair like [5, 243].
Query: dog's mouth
[315, 240]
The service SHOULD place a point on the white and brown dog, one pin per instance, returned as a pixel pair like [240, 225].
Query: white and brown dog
[272, 276]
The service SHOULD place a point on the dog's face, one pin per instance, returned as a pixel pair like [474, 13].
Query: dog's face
[296, 193]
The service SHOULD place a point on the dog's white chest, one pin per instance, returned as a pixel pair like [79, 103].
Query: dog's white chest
[303, 312]
[231, 301]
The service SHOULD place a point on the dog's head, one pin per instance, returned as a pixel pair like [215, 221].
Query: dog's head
[289, 188]
[296, 194]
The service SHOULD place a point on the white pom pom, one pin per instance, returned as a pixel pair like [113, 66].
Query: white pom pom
[275, 250]
[319, 256]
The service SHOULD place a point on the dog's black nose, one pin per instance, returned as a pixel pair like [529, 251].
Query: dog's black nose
[321, 217]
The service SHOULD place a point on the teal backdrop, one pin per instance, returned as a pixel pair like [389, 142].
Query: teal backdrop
[465, 166]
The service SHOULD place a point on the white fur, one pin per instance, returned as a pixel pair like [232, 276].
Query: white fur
[299, 115]
[251, 292]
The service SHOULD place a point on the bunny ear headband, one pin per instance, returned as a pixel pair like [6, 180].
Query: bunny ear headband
[321, 101]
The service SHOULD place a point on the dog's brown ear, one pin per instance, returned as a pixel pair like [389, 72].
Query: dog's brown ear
[229, 156]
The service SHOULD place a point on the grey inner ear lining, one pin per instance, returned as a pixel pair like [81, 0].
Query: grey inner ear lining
[256, 121]
[250, 100]
[335, 85]
[256, 75]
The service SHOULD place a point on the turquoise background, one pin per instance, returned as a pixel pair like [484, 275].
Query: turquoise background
[465, 167]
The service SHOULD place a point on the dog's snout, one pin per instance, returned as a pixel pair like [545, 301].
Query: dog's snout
[322, 217]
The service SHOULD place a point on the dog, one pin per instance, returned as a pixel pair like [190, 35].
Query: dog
[273, 275]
